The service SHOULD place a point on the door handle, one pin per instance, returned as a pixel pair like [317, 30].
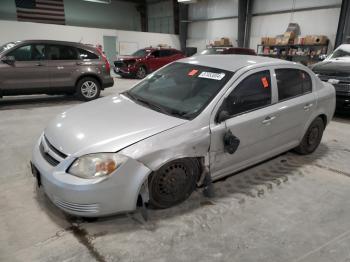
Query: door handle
[268, 120]
[307, 107]
[80, 63]
[39, 64]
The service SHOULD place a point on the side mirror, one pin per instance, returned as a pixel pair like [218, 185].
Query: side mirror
[8, 60]
[222, 116]
[150, 56]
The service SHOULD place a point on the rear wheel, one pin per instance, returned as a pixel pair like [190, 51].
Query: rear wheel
[88, 89]
[312, 137]
[141, 72]
[173, 183]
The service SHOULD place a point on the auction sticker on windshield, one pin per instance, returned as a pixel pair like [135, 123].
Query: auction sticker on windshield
[214, 76]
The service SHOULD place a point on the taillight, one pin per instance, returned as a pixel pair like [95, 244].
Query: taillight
[105, 60]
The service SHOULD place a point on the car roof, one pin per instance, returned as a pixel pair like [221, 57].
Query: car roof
[52, 42]
[233, 62]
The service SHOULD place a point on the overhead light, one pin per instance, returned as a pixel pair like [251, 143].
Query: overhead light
[187, 1]
[99, 1]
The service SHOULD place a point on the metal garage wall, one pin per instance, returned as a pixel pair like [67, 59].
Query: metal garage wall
[161, 17]
[206, 27]
[319, 21]
[13, 31]
[119, 14]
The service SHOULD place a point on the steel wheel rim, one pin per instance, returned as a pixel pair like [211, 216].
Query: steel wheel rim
[89, 89]
[141, 73]
[173, 182]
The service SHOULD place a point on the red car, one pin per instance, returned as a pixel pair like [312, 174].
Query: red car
[228, 50]
[145, 61]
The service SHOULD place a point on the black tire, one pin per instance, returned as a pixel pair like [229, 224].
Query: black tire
[312, 137]
[88, 88]
[141, 72]
[173, 183]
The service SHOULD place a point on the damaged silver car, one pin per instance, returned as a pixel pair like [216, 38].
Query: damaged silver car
[200, 117]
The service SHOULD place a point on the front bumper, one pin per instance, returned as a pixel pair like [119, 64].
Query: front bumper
[125, 71]
[90, 197]
[343, 103]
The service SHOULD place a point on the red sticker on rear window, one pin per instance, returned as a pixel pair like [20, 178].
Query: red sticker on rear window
[193, 72]
[265, 82]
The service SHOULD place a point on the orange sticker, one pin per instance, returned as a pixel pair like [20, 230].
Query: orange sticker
[193, 72]
[265, 82]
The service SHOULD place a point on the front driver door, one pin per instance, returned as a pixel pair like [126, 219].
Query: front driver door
[249, 104]
[28, 74]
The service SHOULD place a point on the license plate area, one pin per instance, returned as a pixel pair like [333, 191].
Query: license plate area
[36, 174]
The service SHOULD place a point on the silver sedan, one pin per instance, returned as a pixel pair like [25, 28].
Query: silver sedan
[198, 118]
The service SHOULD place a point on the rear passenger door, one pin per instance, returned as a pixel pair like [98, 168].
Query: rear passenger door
[296, 102]
[63, 67]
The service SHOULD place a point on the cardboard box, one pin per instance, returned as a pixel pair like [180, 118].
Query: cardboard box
[282, 40]
[299, 40]
[315, 40]
[268, 40]
[225, 41]
[290, 35]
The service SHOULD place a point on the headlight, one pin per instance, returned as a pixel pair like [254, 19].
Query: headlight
[96, 165]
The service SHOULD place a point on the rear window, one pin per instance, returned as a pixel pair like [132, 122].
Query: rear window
[60, 52]
[292, 83]
[85, 54]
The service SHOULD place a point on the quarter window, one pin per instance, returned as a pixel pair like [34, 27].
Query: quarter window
[252, 93]
[292, 83]
[85, 54]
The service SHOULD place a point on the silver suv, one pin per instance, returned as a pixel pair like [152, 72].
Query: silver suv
[53, 67]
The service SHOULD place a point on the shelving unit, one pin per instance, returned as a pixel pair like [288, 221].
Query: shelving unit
[305, 54]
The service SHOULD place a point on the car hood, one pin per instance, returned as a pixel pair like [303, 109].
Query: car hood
[129, 57]
[106, 125]
[333, 66]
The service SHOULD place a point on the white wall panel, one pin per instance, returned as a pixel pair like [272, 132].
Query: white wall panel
[13, 31]
[202, 33]
[319, 22]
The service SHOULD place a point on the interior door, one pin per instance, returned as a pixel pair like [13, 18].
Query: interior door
[63, 63]
[110, 47]
[251, 114]
[29, 72]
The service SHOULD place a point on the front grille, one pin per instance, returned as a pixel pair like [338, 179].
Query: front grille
[47, 157]
[54, 149]
[342, 87]
[74, 207]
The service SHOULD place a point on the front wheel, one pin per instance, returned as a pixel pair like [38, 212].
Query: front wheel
[312, 138]
[141, 72]
[173, 183]
[88, 89]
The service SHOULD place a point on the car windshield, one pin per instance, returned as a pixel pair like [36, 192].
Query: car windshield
[6, 46]
[179, 89]
[141, 52]
[340, 52]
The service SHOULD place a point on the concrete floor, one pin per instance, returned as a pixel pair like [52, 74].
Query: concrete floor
[291, 208]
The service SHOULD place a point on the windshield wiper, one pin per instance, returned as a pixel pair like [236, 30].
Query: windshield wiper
[145, 102]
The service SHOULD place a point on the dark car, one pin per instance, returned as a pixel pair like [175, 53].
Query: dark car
[335, 69]
[145, 61]
[53, 67]
[228, 51]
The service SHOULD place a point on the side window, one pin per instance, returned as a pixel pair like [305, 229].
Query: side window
[29, 53]
[252, 93]
[85, 54]
[60, 52]
[165, 53]
[156, 54]
[292, 83]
